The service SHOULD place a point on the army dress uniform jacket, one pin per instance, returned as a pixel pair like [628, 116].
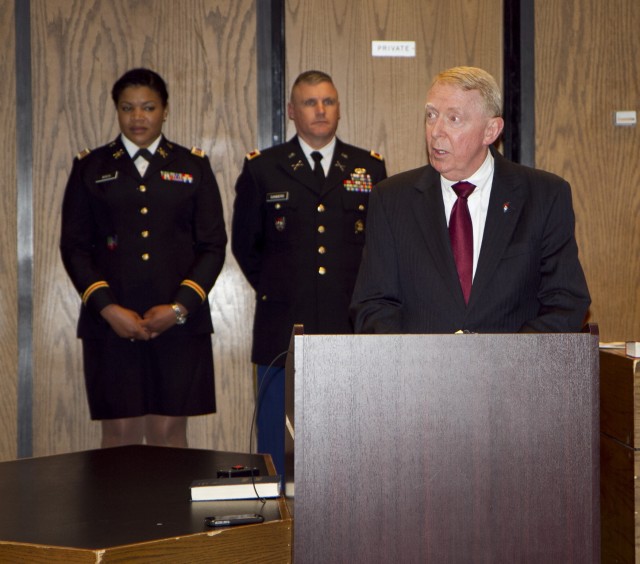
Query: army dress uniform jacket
[140, 242]
[299, 244]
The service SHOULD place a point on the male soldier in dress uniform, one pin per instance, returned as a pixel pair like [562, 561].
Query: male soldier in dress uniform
[298, 233]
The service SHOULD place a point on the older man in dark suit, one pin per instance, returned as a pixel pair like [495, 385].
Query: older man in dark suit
[471, 242]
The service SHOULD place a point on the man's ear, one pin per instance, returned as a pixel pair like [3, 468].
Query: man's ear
[494, 128]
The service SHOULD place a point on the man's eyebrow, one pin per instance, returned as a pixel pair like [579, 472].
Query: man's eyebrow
[455, 109]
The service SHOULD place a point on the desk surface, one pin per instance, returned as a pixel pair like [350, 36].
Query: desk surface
[118, 496]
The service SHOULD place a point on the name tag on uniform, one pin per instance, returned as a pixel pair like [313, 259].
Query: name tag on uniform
[107, 177]
[274, 197]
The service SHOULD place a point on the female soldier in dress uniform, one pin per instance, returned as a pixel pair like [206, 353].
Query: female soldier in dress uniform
[143, 241]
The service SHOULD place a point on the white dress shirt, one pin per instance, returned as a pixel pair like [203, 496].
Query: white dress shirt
[141, 163]
[327, 154]
[478, 201]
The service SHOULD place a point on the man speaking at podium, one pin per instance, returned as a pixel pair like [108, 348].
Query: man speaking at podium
[471, 242]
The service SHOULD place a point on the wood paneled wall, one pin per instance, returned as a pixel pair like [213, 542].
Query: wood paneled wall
[205, 50]
[382, 99]
[588, 66]
[8, 240]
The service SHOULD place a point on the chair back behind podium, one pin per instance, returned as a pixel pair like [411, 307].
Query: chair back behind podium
[443, 448]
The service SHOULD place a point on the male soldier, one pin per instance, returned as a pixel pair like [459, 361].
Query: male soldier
[298, 232]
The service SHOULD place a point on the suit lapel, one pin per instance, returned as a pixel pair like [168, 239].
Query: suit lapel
[505, 206]
[428, 210]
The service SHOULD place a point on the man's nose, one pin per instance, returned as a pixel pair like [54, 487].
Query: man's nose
[435, 127]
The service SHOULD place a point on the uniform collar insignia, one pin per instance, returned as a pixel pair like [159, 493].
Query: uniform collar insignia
[296, 166]
[340, 166]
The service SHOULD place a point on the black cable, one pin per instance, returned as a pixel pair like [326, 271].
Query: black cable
[260, 389]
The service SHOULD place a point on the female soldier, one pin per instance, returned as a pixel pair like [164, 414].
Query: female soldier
[143, 241]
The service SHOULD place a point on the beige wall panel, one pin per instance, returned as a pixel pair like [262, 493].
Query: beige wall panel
[205, 50]
[8, 239]
[382, 99]
[587, 66]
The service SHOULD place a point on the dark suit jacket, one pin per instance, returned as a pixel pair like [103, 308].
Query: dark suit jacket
[152, 239]
[528, 276]
[299, 244]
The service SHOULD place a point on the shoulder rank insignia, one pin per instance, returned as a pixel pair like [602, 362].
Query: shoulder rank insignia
[197, 152]
[253, 154]
[82, 154]
[376, 156]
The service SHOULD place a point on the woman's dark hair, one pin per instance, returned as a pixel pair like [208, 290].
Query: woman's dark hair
[140, 77]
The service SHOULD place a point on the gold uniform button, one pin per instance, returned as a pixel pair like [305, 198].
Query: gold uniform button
[145, 256]
[320, 228]
[144, 211]
[361, 207]
[144, 234]
[321, 208]
[322, 250]
[264, 297]
[322, 270]
[142, 188]
[277, 206]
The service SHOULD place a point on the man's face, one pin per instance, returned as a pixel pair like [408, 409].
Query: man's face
[458, 130]
[141, 114]
[315, 110]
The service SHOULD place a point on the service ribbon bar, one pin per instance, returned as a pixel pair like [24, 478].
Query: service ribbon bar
[176, 177]
[360, 181]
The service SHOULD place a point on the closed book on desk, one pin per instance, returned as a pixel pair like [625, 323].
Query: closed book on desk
[235, 488]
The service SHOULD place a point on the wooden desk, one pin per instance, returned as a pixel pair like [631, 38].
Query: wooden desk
[619, 456]
[131, 503]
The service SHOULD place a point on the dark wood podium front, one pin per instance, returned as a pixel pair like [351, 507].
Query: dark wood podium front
[444, 448]
[132, 504]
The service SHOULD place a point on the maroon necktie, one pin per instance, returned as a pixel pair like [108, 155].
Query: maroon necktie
[461, 235]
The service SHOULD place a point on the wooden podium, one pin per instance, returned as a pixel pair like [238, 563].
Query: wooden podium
[443, 448]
